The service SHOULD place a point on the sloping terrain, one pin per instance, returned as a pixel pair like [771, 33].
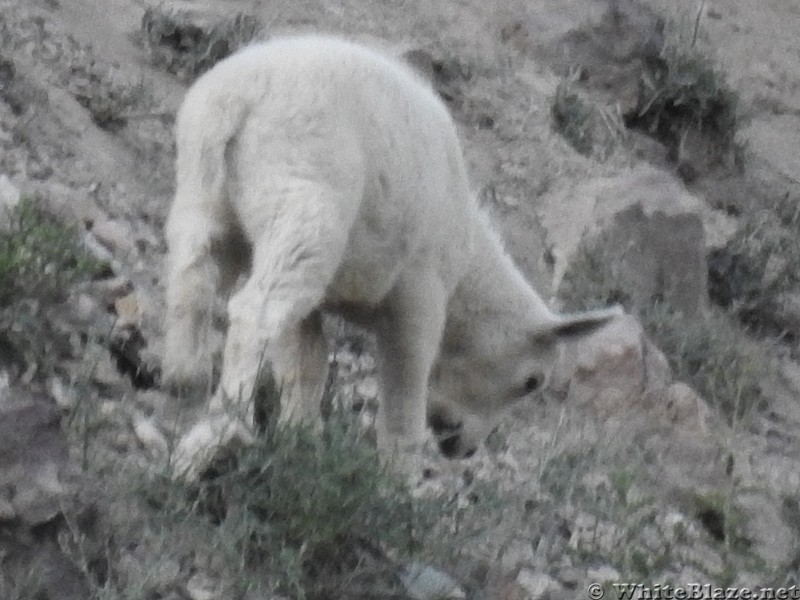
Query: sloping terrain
[634, 485]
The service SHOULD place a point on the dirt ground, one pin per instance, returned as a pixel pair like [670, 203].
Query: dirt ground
[76, 62]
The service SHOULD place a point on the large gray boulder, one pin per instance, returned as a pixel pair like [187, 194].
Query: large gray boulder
[645, 229]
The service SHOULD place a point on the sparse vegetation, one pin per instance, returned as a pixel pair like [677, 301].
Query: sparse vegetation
[685, 91]
[39, 259]
[307, 515]
[301, 513]
[659, 81]
[712, 355]
[324, 502]
[756, 269]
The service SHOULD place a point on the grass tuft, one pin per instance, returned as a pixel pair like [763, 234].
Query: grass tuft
[39, 259]
[683, 91]
[302, 513]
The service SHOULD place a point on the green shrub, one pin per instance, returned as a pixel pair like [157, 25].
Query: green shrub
[311, 511]
[39, 259]
[682, 91]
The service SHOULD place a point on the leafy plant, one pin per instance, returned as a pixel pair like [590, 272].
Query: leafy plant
[39, 259]
[316, 507]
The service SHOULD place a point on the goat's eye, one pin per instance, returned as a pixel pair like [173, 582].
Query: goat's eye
[531, 384]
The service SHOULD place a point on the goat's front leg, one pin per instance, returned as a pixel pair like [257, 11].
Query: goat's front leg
[409, 334]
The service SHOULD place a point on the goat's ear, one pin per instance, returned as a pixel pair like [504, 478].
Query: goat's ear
[574, 326]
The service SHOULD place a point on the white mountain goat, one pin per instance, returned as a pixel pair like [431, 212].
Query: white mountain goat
[332, 177]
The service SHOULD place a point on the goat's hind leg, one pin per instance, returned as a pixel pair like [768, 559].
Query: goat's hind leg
[193, 280]
[274, 319]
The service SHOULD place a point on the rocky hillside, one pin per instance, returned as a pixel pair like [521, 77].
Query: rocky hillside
[634, 152]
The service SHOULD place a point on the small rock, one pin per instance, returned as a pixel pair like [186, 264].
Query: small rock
[166, 573]
[605, 373]
[768, 528]
[150, 436]
[505, 460]
[86, 308]
[790, 372]
[657, 371]
[675, 526]
[127, 309]
[123, 442]
[63, 393]
[674, 519]
[537, 585]
[98, 250]
[423, 582]
[589, 532]
[114, 235]
[508, 200]
[367, 388]
[108, 290]
[603, 574]
[108, 409]
[202, 587]
[505, 588]
[569, 576]
[684, 406]
[518, 35]
[518, 552]
[106, 375]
